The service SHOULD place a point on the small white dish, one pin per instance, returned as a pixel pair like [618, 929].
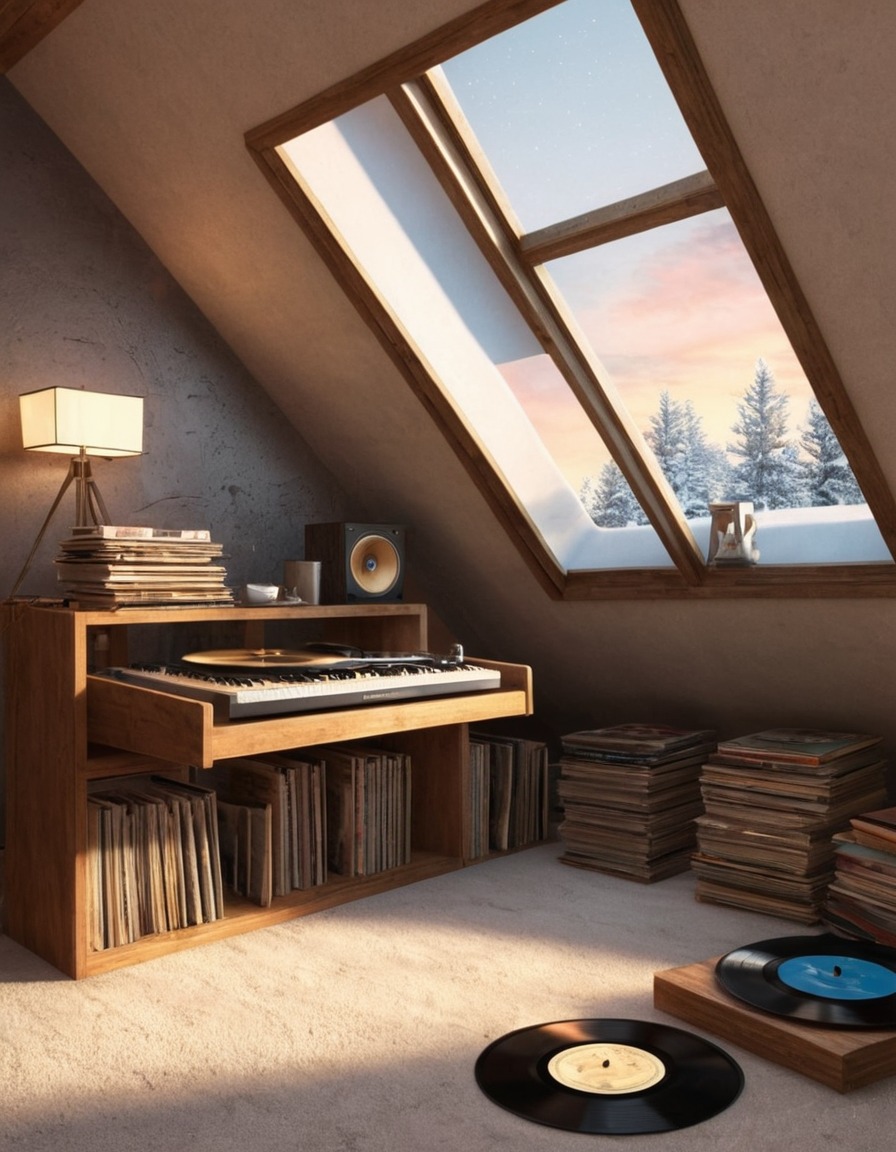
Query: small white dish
[260, 593]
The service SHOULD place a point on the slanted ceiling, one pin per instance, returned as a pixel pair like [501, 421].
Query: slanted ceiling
[154, 100]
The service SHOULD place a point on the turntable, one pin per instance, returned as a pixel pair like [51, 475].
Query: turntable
[822, 1005]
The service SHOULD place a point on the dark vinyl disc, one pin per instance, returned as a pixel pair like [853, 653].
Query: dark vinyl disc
[254, 658]
[612, 1077]
[313, 656]
[824, 979]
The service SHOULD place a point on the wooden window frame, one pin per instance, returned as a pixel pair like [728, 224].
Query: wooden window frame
[426, 108]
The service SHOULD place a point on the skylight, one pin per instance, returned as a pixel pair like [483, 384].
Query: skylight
[572, 111]
[388, 209]
[536, 228]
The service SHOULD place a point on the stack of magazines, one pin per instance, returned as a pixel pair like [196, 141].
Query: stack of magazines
[630, 796]
[773, 802]
[106, 566]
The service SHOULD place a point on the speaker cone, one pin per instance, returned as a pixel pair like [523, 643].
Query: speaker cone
[375, 564]
[358, 561]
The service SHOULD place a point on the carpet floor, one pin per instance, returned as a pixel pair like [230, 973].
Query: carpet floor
[357, 1029]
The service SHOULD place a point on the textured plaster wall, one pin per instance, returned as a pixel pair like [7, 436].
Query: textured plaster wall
[84, 303]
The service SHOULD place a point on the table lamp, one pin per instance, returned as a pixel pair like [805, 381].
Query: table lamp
[80, 424]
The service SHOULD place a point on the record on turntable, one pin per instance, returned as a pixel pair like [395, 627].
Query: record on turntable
[824, 979]
[257, 658]
[316, 655]
[613, 1077]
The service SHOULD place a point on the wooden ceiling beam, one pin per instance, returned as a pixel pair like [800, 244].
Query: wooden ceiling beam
[24, 23]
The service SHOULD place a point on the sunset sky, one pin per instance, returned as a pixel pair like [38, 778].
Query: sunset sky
[574, 114]
[691, 319]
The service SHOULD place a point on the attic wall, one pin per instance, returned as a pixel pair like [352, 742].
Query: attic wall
[86, 304]
[136, 90]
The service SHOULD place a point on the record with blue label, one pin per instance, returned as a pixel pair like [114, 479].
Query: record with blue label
[824, 979]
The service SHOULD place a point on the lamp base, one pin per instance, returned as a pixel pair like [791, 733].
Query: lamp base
[89, 506]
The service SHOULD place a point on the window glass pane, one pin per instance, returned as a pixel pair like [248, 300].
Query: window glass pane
[680, 309]
[567, 432]
[572, 111]
[700, 359]
[402, 232]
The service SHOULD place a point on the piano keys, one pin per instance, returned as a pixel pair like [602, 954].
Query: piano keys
[237, 695]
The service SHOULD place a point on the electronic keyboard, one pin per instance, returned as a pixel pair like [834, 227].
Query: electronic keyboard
[239, 694]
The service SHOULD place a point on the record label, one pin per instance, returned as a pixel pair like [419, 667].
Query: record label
[838, 977]
[613, 1077]
[606, 1068]
[824, 979]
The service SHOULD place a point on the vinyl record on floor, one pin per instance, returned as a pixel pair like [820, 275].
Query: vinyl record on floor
[823, 979]
[612, 1077]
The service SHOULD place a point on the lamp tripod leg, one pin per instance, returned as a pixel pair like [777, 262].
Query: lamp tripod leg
[65, 483]
[96, 507]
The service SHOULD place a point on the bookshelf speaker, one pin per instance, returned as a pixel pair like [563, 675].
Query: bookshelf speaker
[358, 561]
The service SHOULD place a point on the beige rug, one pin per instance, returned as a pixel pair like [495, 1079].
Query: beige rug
[357, 1029]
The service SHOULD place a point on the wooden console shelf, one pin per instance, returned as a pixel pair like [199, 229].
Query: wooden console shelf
[67, 728]
[176, 728]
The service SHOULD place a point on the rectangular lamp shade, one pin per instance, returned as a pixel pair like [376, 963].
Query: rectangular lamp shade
[69, 419]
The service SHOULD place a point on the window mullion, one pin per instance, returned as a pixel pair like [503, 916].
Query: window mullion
[665, 205]
[440, 140]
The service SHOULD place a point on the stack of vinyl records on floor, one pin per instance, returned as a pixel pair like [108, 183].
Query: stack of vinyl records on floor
[773, 802]
[106, 566]
[631, 795]
[861, 899]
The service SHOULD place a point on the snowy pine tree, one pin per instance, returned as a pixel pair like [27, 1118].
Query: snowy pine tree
[771, 470]
[667, 439]
[611, 503]
[827, 474]
[768, 472]
[696, 470]
[709, 473]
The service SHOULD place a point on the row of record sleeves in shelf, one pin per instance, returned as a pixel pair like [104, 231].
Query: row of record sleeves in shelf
[164, 851]
[510, 793]
[756, 818]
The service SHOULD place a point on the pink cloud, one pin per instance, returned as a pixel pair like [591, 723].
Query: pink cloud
[690, 317]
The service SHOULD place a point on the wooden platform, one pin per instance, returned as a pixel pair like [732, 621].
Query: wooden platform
[841, 1058]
